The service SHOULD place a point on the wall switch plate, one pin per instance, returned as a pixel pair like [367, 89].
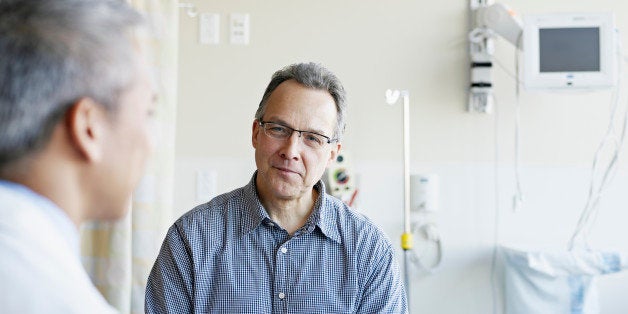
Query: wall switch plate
[239, 28]
[209, 28]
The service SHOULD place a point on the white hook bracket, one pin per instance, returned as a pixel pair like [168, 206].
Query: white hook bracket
[190, 9]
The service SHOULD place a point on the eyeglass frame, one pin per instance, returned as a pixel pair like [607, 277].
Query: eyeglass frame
[262, 122]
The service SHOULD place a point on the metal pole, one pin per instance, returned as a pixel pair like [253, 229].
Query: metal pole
[406, 238]
[406, 161]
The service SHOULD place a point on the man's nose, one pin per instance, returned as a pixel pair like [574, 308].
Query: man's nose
[291, 147]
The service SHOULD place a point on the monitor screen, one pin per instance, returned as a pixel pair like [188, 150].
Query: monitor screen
[575, 49]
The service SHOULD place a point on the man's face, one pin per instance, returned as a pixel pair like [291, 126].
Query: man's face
[287, 168]
[128, 145]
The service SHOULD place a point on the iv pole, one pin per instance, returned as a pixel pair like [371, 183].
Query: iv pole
[406, 238]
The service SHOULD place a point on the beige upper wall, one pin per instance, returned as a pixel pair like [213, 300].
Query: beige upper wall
[374, 45]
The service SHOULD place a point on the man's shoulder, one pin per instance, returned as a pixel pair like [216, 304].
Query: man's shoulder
[352, 223]
[219, 207]
[211, 224]
[346, 214]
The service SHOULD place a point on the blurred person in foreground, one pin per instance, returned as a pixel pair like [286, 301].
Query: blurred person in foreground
[76, 106]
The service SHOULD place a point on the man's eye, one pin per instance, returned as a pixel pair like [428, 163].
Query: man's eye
[313, 138]
[277, 129]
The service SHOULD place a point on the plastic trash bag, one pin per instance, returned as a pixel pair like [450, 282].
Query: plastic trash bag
[555, 282]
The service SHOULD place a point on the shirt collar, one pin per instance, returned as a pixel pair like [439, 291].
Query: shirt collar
[327, 213]
[45, 206]
[323, 216]
[254, 213]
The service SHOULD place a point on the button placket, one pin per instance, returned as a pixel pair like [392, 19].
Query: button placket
[283, 249]
[281, 277]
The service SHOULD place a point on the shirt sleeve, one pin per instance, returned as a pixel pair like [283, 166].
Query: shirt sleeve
[170, 283]
[384, 291]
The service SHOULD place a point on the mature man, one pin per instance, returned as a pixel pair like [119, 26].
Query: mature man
[75, 110]
[280, 244]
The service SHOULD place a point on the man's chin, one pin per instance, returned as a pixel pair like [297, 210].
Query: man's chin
[283, 190]
[113, 213]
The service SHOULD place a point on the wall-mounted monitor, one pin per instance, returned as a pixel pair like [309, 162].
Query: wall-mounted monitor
[569, 51]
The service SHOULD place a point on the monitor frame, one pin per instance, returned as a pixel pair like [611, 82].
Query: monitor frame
[534, 79]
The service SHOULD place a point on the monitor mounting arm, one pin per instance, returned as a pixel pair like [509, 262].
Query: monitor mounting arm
[488, 21]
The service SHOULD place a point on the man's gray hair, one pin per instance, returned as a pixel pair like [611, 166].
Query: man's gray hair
[53, 53]
[310, 75]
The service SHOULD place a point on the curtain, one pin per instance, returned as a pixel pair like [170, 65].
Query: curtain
[118, 256]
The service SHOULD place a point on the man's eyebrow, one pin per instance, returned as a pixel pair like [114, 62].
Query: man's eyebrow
[284, 123]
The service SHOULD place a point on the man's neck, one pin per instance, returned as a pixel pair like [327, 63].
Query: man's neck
[52, 180]
[291, 214]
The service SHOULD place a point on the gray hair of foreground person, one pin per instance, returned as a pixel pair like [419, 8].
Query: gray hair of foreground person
[54, 53]
[310, 75]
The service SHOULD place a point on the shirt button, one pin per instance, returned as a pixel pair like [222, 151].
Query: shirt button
[282, 295]
[270, 224]
[284, 250]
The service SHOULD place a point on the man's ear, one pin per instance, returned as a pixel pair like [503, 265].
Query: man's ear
[334, 153]
[255, 130]
[86, 124]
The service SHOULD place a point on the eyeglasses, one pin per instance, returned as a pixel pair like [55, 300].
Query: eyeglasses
[282, 132]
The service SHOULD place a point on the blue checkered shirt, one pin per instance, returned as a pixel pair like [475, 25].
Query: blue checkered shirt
[228, 256]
